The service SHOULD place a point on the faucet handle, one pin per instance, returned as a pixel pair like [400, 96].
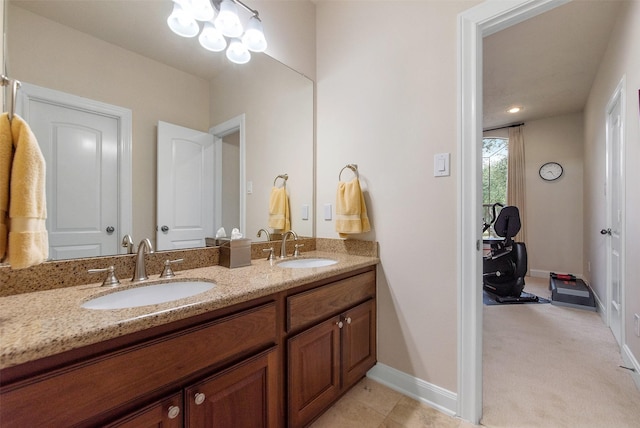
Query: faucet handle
[111, 280]
[271, 255]
[167, 272]
[296, 252]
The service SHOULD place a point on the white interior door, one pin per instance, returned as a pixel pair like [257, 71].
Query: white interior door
[615, 215]
[185, 194]
[81, 153]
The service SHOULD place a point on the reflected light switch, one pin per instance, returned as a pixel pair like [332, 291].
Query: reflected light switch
[327, 211]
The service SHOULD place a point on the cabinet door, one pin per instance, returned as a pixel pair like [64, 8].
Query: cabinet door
[243, 396]
[314, 371]
[166, 414]
[358, 342]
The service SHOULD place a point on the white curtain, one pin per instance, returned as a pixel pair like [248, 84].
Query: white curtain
[516, 177]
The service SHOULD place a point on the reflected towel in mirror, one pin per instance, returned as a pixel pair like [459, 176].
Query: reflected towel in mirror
[28, 242]
[351, 211]
[279, 216]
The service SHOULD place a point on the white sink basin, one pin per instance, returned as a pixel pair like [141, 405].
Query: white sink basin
[307, 263]
[149, 295]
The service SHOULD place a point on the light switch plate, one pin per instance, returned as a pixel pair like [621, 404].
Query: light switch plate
[305, 212]
[441, 165]
[327, 211]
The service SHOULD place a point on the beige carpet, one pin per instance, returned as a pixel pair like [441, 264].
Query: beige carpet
[552, 366]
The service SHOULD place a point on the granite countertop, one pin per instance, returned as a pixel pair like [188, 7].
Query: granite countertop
[43, 323]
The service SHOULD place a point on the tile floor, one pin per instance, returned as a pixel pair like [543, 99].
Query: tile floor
[372, 405]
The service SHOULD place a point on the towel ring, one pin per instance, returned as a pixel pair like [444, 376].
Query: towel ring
[15, 85]
[285, 177]
[353, 167]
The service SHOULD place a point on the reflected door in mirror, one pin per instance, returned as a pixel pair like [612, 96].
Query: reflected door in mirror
[185, 187]
[81, 154]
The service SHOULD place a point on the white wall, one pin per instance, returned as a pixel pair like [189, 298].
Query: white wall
[290, 29]
[386, 100]
[622, 58]
[554, 208]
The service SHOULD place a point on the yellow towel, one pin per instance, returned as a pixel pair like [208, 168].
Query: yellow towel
[6, 155]
[28, 240]
[351, 211]
[279, 216]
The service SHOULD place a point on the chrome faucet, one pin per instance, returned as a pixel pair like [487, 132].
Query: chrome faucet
[140, 271]
[283, 248]
[127, 243]
[266, 232]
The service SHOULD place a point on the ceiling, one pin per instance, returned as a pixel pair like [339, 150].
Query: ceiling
[546, 64]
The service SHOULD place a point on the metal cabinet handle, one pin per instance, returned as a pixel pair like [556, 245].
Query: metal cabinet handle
[348, 320]
[606, 232]
[164, 228]
[340, 324]
[110, 229]
[173, 412]
[199, 398]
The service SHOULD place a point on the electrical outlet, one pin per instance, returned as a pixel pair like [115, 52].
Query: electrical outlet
[636, 320]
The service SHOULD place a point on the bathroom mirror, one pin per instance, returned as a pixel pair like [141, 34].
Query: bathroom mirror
[129, 58]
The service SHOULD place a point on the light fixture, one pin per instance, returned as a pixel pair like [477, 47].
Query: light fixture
[211, 38]
[181, 22]
[238, 52]
[514, 110]
[221, 20]
[253, 37]
[227, 20]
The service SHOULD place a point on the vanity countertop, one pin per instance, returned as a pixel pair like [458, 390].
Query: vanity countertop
[43, 323]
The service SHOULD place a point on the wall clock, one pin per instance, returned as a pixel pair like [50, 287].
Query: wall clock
[550, 171]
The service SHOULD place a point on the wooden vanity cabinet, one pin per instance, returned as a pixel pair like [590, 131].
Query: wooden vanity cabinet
[166, 413]
[329, 356]
[277, 360]
[243, 396]
[101, 389]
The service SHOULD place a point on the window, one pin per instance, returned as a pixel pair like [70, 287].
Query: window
[494, 173]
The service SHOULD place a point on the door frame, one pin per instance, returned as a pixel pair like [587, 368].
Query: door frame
[474, 24]
[123, 116]
[235, 124]
[618, 96]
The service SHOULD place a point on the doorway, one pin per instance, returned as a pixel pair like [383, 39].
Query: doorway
[476, 24]
[473, 25]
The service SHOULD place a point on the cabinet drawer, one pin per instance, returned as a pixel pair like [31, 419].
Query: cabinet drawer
[68, 396]
[319, 303]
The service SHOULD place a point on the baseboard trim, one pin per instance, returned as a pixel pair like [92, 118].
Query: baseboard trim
[425, 392]
[630, 360]
[601, 308]
[539, 273]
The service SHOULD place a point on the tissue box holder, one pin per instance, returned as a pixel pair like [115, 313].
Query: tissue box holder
[235, 253]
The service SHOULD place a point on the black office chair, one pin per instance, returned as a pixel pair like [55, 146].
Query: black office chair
[504, 268]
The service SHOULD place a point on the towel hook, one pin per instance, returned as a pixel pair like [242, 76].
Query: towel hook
[15, 84]
[285, 177]
[353, 167]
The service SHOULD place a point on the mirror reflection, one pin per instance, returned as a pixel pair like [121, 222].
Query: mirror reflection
[91, 50]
